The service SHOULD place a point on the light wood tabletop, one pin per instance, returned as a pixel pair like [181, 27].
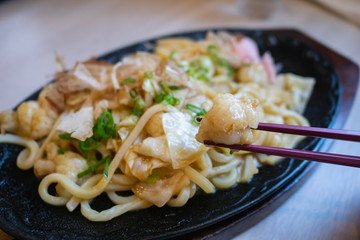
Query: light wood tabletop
[327, 206]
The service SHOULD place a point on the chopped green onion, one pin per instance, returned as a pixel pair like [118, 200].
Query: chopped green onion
[165, 96]
[203, 77]
[170, 100]
[195, 121]
[66, 136]
[92, 168]
[138, 107]
[184, 67]
[89, 144]
[164, 87]
[218, 60]
[127, 80]
[196, 109]
[133, 93]
[197, 71]
[174, 87]
[159, 97]
[173, 55]
[106, 169]
[62, 150]
[104, 126]
[89, 157]
[167, 99]
[155, 175]
[212, 48]
[148, 75]
[199, 113]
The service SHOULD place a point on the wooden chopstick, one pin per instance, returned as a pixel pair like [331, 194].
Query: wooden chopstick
[311, 131]
[339, 159]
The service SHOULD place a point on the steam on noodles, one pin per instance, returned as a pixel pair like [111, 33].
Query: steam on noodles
[131, 126]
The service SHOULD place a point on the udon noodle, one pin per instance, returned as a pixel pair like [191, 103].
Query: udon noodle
[128, 129]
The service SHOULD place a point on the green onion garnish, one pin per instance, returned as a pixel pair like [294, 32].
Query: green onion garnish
[127, 80]
[66, 136]
[155, 175]
[199, 112]
[195, 109]
[164, 87]
[89, 157]
[174, 87]
[166, 96]
[173, 55]
[89, 144]
[104, 126]
[92, 168]
[138, 107]
[212, 49]
[106, 169]
[62, 150]
[133, 93]
[170, 100]
[159, 97]
[197, 71]
[148, 75]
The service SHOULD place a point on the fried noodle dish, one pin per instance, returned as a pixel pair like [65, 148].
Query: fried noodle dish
[131, 129]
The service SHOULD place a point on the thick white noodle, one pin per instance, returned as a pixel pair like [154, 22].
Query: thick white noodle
[205, 164]
[26, 159]
[112, 212]
[224, 168]
[74, 201]
[199, 179]
[117, 187]
[193, 189]
[123, 179]
[219, 157]
[115, 198]
[226, 180]
[181, 199]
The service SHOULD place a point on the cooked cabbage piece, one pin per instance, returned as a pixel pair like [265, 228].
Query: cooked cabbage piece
[180, 135]
[79, 124]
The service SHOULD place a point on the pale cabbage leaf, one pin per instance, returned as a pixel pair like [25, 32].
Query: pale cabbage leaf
[180, 135]
[79, 124]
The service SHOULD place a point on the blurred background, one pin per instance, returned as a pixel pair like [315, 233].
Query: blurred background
[327, 206]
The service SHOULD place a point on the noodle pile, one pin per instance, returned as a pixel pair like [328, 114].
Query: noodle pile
[130, 127]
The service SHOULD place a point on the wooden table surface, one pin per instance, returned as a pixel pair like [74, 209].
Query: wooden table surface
[327, 206]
